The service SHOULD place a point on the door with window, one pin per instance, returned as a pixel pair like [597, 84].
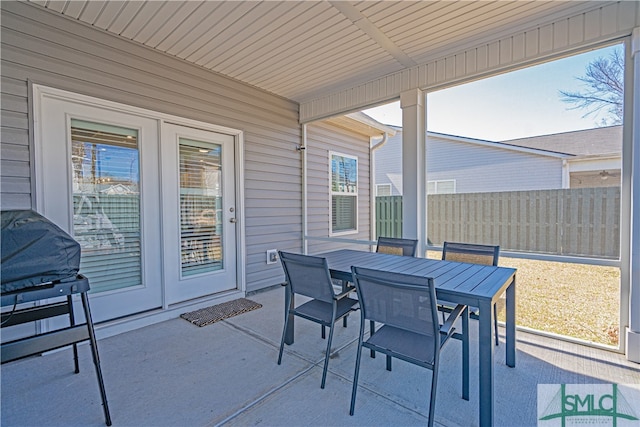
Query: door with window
[152, 204]
[98, 180]
[199, 227]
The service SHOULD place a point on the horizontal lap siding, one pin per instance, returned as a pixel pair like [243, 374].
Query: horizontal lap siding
[54, 51]
[15, 186]
[388, 160]
[322, 138]
[478, 168]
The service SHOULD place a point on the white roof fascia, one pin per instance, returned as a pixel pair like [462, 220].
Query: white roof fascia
[501, 145]
[370, 121]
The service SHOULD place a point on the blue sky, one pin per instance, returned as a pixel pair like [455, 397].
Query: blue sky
[513, 105]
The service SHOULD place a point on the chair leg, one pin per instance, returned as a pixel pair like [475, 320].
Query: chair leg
[495, 322]
[432, 402]
[326, 357]
[356, 373]
[388, 363]
[372, 329]
[344, 321]
[286, 323]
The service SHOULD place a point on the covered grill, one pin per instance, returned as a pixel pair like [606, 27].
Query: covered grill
[41, 262]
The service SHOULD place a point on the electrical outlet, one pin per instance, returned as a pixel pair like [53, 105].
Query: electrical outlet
[272, 256]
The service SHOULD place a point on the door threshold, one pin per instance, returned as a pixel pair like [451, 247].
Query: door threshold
[110, 328]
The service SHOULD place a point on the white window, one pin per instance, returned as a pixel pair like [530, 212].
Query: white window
[383, 190]
[344, 193]
[447, 186]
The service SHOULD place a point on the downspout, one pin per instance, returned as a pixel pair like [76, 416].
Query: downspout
[303, 149]
[372, 177]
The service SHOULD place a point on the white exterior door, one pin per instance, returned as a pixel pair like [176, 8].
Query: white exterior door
[98, 179]
[152, 203]
[199, 211]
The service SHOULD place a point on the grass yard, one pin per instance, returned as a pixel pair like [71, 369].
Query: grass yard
[576, 300]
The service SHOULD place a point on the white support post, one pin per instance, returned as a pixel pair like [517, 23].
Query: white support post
[414, 193]
[633, 331]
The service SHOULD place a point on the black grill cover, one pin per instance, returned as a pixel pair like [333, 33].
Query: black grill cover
[35, 251]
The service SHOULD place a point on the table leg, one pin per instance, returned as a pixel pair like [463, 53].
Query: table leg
[511, 324]
[486, 347]
[465, 354]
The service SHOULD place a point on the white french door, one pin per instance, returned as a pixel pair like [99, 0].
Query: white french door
[98, 179]
[199, 211]
[152, 203]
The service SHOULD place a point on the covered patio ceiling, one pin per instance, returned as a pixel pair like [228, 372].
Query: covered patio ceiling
[301, 50]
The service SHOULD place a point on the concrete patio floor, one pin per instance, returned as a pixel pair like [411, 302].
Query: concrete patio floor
[176, 374]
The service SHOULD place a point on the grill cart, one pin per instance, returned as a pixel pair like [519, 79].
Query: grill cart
[40, 262]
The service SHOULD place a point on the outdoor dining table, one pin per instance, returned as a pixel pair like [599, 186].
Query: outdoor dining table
[461, 283]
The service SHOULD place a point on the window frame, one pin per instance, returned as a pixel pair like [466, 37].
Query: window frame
[378, 186]
[435, 182]
[333, 193]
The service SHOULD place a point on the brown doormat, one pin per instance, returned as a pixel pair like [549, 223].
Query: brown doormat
[208, 315]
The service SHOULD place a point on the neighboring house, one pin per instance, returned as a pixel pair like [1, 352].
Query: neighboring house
[585, 158]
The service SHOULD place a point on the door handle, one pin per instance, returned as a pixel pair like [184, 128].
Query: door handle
[233, 220]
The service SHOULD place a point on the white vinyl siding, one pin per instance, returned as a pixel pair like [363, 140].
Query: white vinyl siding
[323, 137]
[477, 168]
[59, 52]
[15, 164]
[473, 167]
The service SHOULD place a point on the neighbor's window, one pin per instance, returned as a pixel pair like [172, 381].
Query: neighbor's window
[344, 193]
[441, 187]
[383, 190]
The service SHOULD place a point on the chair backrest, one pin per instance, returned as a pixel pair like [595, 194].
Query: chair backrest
[396, 246]
[399, 300]
[471, 253]
[308, 275]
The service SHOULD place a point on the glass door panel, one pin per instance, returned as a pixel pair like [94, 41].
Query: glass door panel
[106, 204]
[200, 207]
[99, 181]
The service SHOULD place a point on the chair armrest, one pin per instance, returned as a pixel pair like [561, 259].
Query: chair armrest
[343, 294]
[447, 328]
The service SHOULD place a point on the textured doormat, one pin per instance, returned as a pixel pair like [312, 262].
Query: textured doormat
[208, 315]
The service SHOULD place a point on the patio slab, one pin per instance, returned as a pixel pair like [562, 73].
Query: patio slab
[177, 374]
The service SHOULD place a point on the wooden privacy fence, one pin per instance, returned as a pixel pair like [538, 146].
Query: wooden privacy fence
[577, 222]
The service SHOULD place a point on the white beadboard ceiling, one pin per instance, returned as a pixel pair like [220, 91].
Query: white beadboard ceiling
[302, 50]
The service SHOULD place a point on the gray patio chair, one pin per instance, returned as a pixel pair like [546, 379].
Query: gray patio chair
[309, 276]
[474, 254]
[397, 246]
[405, 305]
